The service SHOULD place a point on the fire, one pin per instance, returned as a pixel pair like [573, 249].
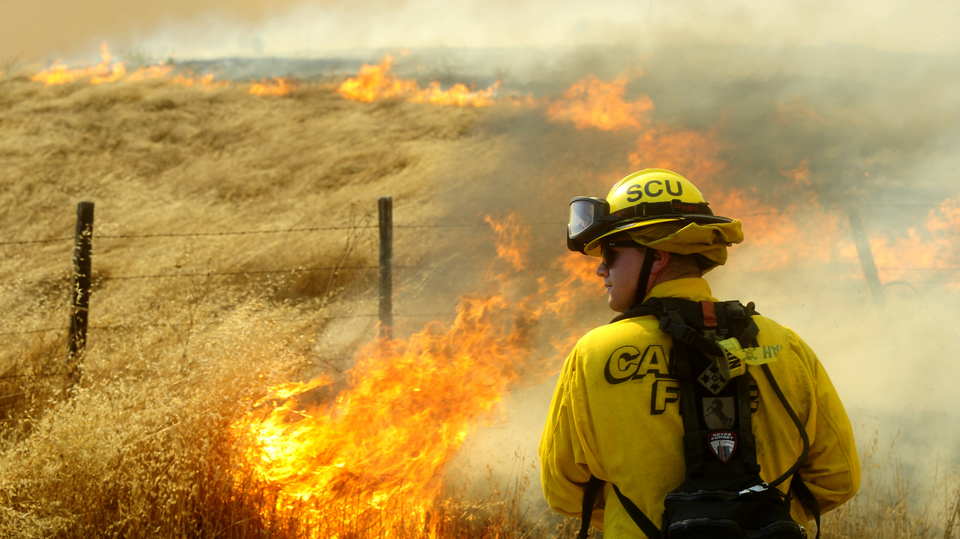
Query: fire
[595, 103]
[798, 231]
[513, 245]
[580, 292]
[205, 82]
[104, 71]
[159, 71]
[384, 440]
[388, 437]
[777, 237]
[935, 247]
[274, 86]
[375, 82]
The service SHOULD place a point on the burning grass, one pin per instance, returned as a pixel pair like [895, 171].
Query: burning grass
[230, 387]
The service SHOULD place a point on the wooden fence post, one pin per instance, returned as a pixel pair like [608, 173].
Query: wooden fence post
[866, 255]
[386, 265]
[80, 301]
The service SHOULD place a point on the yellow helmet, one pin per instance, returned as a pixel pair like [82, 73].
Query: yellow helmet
[648, 197]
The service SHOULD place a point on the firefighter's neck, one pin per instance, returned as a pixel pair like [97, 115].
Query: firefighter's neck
[667, 267]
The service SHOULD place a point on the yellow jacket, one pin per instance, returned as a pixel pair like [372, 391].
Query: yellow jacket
[629, 434]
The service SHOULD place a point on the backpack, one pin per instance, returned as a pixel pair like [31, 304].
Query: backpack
[722, 495]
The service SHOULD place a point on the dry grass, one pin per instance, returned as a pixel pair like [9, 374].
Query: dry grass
[890, 506]
[144, 450]
[141, 447]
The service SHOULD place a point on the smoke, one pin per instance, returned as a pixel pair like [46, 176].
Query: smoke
[805, 131]
[815, 106]
[32, 31]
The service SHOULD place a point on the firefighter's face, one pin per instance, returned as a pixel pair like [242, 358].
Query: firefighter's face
[620, 278]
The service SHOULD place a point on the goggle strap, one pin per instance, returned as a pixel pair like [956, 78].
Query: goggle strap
[673, 207]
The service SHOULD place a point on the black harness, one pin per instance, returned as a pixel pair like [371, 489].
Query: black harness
[722, 495]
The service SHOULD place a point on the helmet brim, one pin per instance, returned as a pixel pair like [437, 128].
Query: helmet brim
[593, 248]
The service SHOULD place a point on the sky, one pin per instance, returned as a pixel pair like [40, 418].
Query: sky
[40, 31]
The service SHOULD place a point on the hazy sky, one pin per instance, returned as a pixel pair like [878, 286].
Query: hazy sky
[43, 30]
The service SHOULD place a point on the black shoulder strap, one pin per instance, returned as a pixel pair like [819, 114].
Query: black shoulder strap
[646, 526]
[589, 500]
[672, 322]
[806, 497]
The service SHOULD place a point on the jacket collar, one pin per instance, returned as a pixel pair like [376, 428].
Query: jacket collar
[694, 289]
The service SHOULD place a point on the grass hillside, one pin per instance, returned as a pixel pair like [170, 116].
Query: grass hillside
[235, 253]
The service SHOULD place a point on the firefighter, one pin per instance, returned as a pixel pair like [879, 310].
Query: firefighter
[615, 414]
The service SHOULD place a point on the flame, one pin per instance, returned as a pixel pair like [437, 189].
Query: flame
[159, 71]
[373, 455]
[388, 437]
[105, 71]
[205, 82]
[513, 245]
[799, 232]
[408, 409]
[375, 82]
[935, 247]
[595, 103]
[60, 73]
[274, 86]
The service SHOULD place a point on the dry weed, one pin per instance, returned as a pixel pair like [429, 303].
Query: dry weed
[147, 453]
[889, 506]
[187, 331]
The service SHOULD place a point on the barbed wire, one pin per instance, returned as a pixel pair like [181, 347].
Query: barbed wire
[476, 224]
[25, 242]
[229, 233]
[32, 331]
[242, 232]
[66, 279]
[146, 324]
[221, 273]
[413, 226]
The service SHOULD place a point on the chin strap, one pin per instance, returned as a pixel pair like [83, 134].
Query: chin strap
[648, 256]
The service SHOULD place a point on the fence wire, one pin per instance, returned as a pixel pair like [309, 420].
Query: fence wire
[292, 230]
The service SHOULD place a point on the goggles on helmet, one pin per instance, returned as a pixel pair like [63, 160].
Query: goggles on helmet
[590, 217]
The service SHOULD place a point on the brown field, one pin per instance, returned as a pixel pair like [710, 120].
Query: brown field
[235, 249]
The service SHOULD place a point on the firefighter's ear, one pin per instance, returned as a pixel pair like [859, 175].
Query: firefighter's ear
[660, 261]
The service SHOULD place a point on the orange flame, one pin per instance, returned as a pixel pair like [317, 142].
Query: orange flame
[158, 71]
[512, 246]
[410, 405]
[375, 82]
[595, 103]
[935, 248]
[60, 73]
[777, 236]
[275, 86]
[800, 232]
[205, 82]
[105, 71]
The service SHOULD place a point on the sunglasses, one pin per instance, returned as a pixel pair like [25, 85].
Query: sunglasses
[609, 256]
